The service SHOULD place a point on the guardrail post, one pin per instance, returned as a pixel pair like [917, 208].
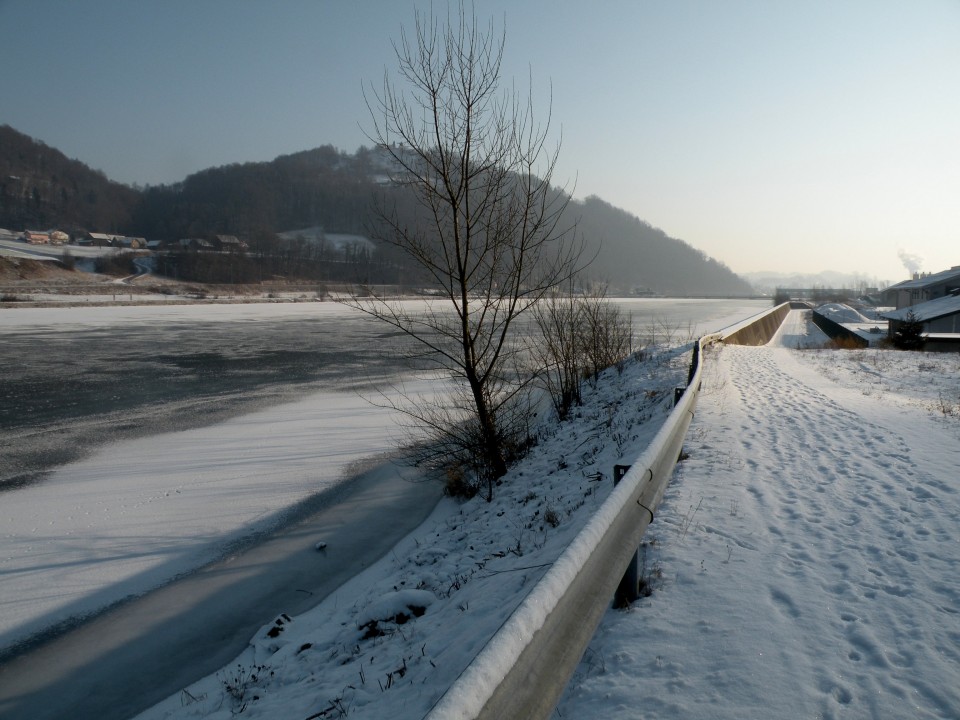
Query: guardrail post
[629, 588]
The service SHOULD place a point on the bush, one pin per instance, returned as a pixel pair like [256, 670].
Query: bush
[608, 333]
[557, 352]
[578, 338]
[458, 484]
[118, 263]
[844, 342]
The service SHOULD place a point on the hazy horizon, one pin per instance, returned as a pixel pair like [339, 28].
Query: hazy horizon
[774, 138]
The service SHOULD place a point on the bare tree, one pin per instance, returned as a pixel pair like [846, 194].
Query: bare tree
[608, 332]
[488, 235]
[557, 350]
[577, 336]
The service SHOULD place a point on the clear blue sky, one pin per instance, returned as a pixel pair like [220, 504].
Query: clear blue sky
[771, 134]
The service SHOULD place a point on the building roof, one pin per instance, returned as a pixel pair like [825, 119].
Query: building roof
[927, 280]
[930, 310]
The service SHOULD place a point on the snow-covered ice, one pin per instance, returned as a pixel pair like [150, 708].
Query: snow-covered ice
[137, 513]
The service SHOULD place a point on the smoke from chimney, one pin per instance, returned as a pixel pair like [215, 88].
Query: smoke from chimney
[911, 262]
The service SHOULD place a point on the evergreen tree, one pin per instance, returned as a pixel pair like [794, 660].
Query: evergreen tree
[908, 335]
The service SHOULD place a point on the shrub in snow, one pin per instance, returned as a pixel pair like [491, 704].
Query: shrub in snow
[397, 608]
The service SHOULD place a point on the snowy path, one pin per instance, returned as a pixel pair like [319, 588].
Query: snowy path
[806, 559]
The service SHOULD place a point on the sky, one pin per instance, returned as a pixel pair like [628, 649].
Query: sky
[772, 135]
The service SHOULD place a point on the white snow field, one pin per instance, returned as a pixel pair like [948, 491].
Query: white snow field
[805, 560]
[389, 642]
[804, 563]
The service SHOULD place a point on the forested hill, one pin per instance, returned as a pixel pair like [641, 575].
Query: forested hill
[634, 255]
[40, 188]
[324, 187]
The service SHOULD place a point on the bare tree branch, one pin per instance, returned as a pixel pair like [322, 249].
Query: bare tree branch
[490, 234]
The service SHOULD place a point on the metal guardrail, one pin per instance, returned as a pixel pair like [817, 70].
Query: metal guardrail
[523, 669]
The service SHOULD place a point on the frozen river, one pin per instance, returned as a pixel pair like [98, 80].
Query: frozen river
[75, 379]
[139, 443]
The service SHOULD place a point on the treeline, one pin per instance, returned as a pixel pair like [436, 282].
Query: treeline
[324, 187]
[316, 187]
[270, 258]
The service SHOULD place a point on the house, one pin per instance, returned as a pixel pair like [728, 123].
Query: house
[229, 243]
[940, 318]
[922, 288]
[44, 237]
[96, 239]
[35, 237]
[195, 244]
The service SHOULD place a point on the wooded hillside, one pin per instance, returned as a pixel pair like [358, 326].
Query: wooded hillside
[41, 188]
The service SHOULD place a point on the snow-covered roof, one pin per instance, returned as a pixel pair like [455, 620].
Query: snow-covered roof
[841, 313]
[930, 310]
[342, 240]
[927, 280]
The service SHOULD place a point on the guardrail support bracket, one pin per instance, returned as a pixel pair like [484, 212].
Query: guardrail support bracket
[629, 589]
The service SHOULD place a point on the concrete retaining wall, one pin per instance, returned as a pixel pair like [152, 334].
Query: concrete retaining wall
[760, 329]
